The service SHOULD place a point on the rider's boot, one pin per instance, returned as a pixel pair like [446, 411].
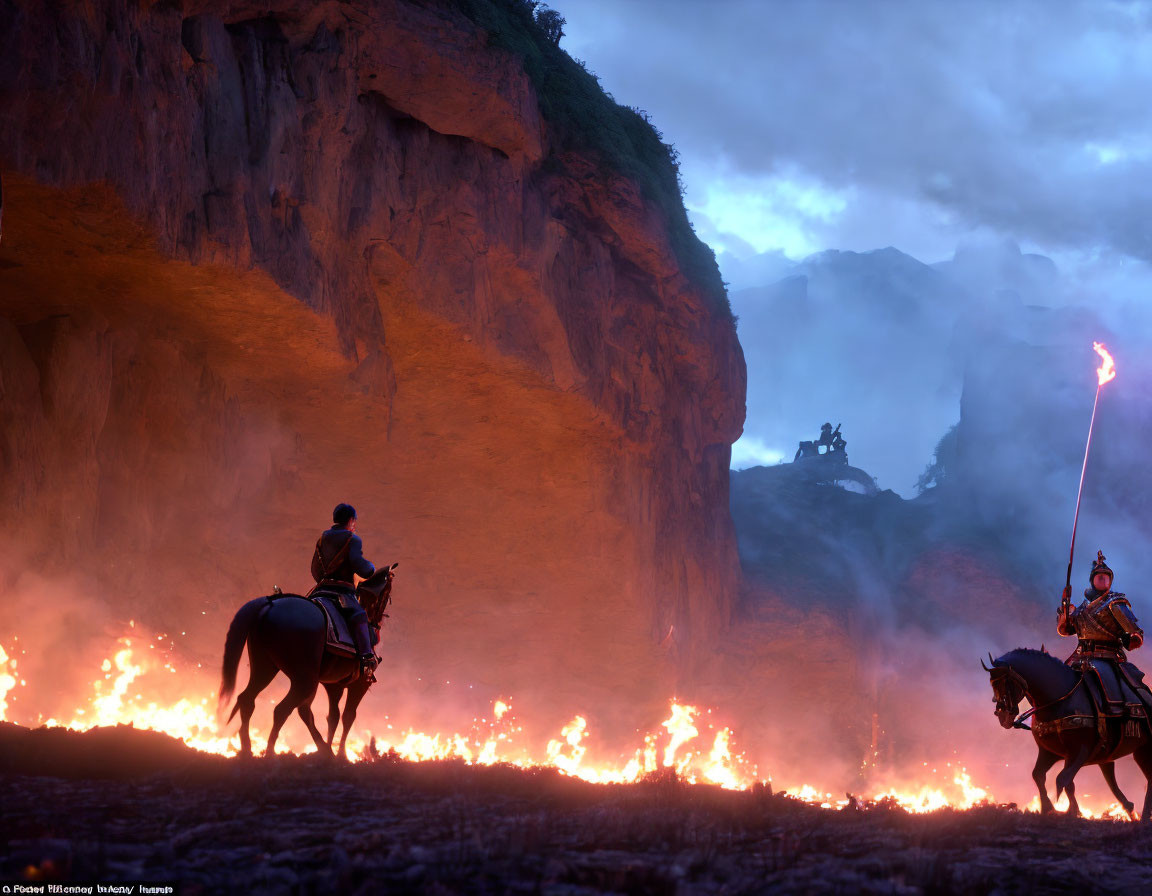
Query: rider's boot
[360, 634]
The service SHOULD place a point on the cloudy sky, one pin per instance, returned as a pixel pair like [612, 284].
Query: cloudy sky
[805, 126]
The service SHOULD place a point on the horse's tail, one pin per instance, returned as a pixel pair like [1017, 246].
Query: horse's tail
[238, 631]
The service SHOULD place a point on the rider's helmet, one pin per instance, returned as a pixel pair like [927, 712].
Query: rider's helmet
[826, 426]
[343, 514]
[1099, 565]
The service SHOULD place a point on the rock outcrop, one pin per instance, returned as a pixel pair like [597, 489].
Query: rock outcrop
[259, 259]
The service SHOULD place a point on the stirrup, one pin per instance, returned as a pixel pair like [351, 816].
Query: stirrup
[368, 664]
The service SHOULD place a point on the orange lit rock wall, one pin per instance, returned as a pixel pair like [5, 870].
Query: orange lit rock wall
[254, 266]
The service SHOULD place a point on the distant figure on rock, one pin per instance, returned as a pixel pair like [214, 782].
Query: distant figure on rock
[806, 449]
[826, 437]
[340, 554]
[830, 440]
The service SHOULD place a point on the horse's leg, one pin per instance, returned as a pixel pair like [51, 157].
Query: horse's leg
[305, 712]
[263, 670]
[1045, 759]
[1065, 780]
[302, 689]
[1108, 770]
[335, 692]
[356, 692]
[1143, 757]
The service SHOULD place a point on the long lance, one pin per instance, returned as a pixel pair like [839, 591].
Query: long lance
[1105, 374]
[1079, 494]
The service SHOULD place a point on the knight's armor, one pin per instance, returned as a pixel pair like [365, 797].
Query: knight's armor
[340, 554]
[1105, 626]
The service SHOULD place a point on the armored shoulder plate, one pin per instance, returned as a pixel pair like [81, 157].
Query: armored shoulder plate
[1123, 617]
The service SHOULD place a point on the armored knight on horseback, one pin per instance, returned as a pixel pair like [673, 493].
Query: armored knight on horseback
[1095, 707]
[1092, 709]
[340, 554]
[1105, 626]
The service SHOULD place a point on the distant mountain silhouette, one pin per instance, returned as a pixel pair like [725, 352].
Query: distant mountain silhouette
[882, 340]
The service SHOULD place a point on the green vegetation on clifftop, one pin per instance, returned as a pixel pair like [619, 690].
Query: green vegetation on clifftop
[586, 120]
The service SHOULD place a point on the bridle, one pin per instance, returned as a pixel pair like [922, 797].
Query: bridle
[1003, 678]
[379, 604]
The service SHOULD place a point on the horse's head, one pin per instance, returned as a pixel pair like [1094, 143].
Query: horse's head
[375, 592]
[1008, 689]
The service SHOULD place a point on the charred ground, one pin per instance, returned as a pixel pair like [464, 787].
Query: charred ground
[121, 804]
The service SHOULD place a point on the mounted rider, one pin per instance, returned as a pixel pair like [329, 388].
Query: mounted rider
[1105, 626]
[339, 555]
[826, 438]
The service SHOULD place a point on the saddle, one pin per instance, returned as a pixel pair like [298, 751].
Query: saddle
[339, 636]
[1115, 689]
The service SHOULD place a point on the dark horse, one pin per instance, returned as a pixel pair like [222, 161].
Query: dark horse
[287, 633]
[1067, 725]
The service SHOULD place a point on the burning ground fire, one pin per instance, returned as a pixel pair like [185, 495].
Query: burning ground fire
[136, 667]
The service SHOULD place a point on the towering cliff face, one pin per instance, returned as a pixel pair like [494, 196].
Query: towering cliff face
[261, 259]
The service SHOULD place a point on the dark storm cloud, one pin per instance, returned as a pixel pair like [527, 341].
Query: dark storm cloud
[1025, 118]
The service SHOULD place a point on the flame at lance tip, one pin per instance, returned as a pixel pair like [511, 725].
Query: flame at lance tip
[1106, 372]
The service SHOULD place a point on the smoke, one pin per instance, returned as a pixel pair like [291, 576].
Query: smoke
[175, 438]
[905, 596]
[153, 484]
[858, 340]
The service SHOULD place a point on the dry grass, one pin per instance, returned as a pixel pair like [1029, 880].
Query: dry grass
[146, 806]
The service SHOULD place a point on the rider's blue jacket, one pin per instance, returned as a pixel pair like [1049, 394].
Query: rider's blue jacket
[340, 553]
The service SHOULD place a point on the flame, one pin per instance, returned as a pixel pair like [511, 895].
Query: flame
[1106, 372]
[7, 682]
[140, 668]
[719, 771]
[572, 733]
[681, 730]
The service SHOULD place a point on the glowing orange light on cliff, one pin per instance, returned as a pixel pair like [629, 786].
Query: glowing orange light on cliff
[1106, 372]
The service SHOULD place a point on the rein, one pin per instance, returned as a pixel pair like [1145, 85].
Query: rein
[1018, 722]
[379, 603]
